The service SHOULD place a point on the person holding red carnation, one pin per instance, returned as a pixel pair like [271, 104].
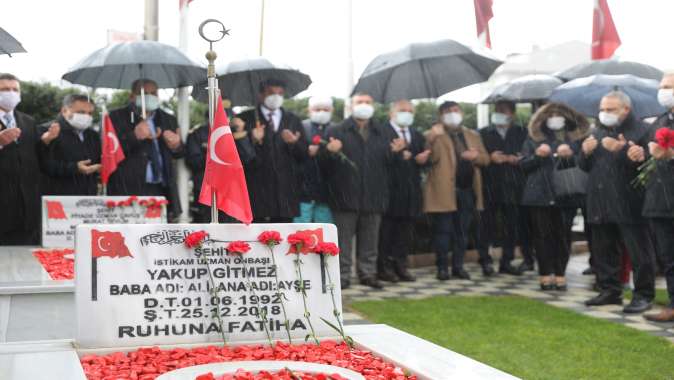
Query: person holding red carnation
[659, 201]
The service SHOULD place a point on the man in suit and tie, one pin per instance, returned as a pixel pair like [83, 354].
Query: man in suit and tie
[19, 169]
[280, 146]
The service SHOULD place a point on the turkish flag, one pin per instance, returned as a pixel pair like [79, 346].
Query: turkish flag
[224, 173]
[108, 244]
[483, 14]
[605, 39]
[316, 237]
[112, 153]
[55, 210]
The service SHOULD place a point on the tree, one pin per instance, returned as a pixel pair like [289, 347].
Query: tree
[42, 101]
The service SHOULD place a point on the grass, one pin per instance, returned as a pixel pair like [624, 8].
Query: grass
[529, 339]
[661, 297]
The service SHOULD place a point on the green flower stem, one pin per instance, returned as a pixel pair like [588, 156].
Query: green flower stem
[262, 315]
[280, 295]
[215, 291]
[307, 315]
[336, 312]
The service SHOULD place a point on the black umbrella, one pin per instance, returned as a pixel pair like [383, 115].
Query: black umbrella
[424, 70]
[239, 81]
[9, 44]
[526, 89]
[584, 94]
[610, 67]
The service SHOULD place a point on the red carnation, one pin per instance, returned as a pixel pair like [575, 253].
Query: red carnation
[196, 239]
[132, 199]
[665, 138]
[143, 202]
[238, 246]
[327, 249]
[316, 140]
[297, 241]
[270, 238]
[110, 204]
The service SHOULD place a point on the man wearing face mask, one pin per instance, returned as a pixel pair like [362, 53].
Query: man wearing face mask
[659, 201]
[72, 159]
[614, 205]
[280, 146]
[359, 193]
[150, 145]
[314, 195]
[453, 189]
[397, 225]
[19, 169]
[503, 185]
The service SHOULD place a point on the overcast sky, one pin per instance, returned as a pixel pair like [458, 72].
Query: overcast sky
[311, 34]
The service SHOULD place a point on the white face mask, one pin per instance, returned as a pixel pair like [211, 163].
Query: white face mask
[151, 102]
[320, 117]
[609, 119]
[273, 101]
[9, 99]
[363, 111]
[80, 121]
[452, 119]
[556, 123]
[498, 118]
[666, 97]
[404, 119]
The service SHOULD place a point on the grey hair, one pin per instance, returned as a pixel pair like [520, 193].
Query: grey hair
[623, 97]
[68, 100]
[392, 106]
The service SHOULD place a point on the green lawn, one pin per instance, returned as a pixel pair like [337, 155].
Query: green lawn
[661, 297]
[529, 339]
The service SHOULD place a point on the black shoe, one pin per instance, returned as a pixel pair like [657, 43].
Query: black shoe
[638, 305]
[605, 298]
[345, 284]
[405, 276]
[561, 288]
[588, 272]
[387, 275]
[487, 270]
[443, 275]
[547, 287]
[511, 270]
[525, 267]
[372, 282]
[461, 273]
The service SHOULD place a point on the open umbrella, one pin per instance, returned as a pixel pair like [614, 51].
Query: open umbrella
[526, 89]
[584, 94]
[610, 67]
[9, 44]
[424, 70]
[239, 80]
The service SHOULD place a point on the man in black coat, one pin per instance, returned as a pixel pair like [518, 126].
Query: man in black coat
[19, 169]
[396, 235]
[504, 182]
[280, 146]
[358, 185]
[150, 145]
[72, 159]
[614, 205]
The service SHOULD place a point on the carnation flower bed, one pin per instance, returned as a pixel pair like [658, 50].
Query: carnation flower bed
[150, 362]
[56, 264]
[265, 375]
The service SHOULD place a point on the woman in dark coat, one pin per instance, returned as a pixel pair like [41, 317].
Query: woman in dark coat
[555, 136]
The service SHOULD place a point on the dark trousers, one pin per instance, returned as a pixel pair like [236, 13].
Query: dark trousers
[365, 226]
[395, 242]
[451, 229]
[607, 241]
[516, 230]
[20, 237]
[588, 234]
[663, 229]
[551, 234]
[269, 219]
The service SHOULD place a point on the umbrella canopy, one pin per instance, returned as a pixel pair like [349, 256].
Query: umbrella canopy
[610, 67]
[9, 44]
[239, 81]
[119, 65]
[529, 88]
[584, 94]
[424, 70]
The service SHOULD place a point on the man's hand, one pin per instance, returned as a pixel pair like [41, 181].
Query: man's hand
[613, 145]
[658, 152]
[437, 130]
[334, 145]
[313, 150]
[10, 135]
[470, 154]
[543, 150]
[512, 159]
[258, 133]
[422, 157]
[290, 137]
[238, 128]
[84, 168]
[51, 134]
[636, 153]
[398, 145]
[498, 157]
[589, 145]
[564, 151]
[142, 131]
[171, 139]
[407, 155]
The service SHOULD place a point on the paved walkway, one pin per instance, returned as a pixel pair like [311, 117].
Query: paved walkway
[580, 289]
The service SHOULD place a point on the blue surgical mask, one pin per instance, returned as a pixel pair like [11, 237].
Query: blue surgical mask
[151, 102]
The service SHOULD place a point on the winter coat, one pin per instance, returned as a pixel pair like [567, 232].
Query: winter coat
[314, 187]
[503, 183]
[659, 197]
[405, 178]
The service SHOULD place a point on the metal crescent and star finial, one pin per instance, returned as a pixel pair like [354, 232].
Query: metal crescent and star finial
[223, 31]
